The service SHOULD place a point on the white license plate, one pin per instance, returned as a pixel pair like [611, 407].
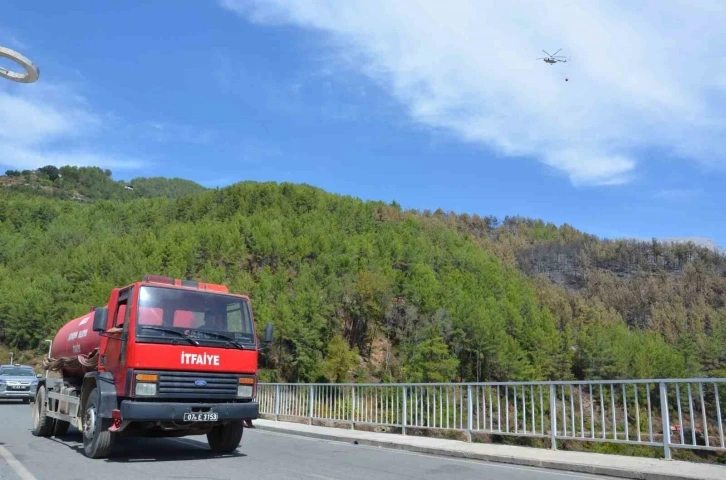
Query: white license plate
[201, 417]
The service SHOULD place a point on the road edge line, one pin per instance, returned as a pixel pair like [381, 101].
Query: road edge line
[526, 462]
[15, 464]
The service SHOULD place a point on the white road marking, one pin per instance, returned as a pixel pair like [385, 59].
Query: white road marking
[22, 472]
[440, 457]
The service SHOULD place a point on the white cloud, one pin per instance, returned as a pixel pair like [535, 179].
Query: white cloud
[642, 74]
[29, 158]
[41, 117]
[46, 125]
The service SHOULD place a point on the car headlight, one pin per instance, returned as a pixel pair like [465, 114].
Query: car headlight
[146, 384]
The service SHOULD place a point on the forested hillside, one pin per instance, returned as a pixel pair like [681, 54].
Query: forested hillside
[365, 291]
[93, 183]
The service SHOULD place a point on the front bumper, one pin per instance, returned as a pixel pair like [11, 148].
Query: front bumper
[6, 394]
[132, 411]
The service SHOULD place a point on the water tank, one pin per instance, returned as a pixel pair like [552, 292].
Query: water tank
[75, 338]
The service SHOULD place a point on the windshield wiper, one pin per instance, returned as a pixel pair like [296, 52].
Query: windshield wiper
[171, 330]
[224, 337]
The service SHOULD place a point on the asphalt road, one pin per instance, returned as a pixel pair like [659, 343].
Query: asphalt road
[262, 455]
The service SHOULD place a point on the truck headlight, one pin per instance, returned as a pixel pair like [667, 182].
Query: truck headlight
[246, 388]
[146, 389]
[146, 384]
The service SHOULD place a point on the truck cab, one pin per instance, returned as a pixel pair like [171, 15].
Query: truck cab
[164, 358]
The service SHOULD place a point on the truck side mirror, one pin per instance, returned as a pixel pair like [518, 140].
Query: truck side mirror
[100, 318]
[269, 332]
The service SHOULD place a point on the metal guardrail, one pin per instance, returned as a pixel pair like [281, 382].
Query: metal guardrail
[668, 413]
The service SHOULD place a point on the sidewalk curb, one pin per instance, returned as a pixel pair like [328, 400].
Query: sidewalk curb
[553, 465]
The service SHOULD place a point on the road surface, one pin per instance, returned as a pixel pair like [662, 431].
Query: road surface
[262, 455]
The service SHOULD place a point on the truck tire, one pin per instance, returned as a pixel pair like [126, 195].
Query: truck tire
[97, 440]
[42, 424]
[225, 438]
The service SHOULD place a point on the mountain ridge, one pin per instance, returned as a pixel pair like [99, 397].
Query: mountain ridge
[94, 183]
[699, 241]
[364, 290]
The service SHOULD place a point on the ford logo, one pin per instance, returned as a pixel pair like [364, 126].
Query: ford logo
[200, 383]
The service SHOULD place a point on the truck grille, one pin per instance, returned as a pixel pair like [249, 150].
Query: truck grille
[182, 385]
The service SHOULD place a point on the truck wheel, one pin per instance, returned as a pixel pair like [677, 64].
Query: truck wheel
[225, 438]
[42, 423]
[97, 440]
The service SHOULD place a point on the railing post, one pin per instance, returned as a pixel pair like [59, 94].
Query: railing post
[310, 409]
[277, 403]
[469, 413]
[405, 410]
[352, 407]
[553, 416]
[666, 421]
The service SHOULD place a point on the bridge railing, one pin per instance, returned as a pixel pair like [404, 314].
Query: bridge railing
[666, 413]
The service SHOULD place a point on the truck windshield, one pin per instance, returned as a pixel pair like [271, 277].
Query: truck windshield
[193, 313]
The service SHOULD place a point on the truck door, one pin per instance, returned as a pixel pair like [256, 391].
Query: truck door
[117, 334]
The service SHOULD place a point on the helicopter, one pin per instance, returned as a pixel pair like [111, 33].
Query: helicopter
[552, 59]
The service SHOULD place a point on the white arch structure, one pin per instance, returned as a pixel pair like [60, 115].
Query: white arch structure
[31, 71]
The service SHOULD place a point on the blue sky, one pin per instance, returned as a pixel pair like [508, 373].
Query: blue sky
[436, 105]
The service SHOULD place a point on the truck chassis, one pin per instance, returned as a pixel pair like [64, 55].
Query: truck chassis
[58, 405]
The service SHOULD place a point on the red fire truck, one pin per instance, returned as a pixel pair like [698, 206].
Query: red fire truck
[164, 358]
